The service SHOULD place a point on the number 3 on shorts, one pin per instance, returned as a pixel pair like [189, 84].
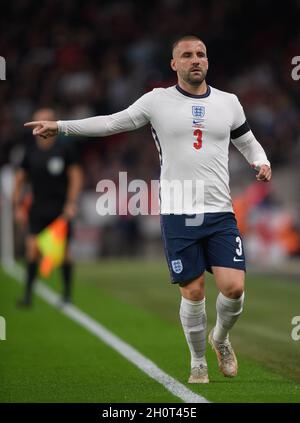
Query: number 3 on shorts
[239, 250]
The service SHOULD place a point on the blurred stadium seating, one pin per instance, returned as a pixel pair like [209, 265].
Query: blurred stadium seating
[96, 57]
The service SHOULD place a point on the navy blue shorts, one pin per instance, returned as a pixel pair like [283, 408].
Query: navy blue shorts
[190, 250]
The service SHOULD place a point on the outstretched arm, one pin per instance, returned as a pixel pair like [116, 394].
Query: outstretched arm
[97, 126]
[135, 116]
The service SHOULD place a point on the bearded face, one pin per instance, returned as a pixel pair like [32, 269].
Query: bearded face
[190, 62]
[194, 76]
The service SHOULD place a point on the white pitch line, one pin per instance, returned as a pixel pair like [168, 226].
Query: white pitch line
[128, 352]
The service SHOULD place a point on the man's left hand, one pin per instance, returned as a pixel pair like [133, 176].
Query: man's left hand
[264, 173]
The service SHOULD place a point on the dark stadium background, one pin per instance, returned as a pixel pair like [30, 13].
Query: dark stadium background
[85, 58]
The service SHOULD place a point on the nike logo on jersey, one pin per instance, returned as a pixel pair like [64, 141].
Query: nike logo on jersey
[198, 123]
[236, 259]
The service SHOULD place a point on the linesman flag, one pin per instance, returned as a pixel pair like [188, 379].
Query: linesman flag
[52, 245]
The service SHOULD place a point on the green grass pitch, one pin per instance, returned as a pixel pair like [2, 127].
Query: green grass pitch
[49, 358]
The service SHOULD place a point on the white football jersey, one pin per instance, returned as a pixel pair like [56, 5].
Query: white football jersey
[192, 134]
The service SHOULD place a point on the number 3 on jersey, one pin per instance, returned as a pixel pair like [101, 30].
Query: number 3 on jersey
[198, 134]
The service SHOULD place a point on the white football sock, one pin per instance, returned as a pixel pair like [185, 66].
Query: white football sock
[228, 311]
[193, 320]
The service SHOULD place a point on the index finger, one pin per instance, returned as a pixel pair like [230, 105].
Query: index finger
[32, 124]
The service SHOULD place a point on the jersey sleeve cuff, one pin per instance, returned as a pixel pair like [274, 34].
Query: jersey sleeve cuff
[62, 129]
[258, 163]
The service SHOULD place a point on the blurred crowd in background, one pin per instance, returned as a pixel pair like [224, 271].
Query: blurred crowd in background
[86, 58]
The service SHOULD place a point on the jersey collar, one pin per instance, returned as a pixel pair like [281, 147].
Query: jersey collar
[178, 88]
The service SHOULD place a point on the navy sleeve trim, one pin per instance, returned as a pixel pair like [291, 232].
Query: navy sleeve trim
[157, 142]
[241, 130]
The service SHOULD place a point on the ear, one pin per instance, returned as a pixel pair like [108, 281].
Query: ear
[173, 65]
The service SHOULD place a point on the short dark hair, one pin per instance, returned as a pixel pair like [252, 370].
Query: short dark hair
[185, 38]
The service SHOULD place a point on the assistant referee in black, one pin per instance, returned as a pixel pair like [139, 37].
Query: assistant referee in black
[54, 174]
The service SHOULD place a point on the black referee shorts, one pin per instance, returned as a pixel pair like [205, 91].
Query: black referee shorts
[38, 222]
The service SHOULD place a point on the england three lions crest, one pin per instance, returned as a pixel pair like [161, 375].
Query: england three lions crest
[198, 111]
[177, 266]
